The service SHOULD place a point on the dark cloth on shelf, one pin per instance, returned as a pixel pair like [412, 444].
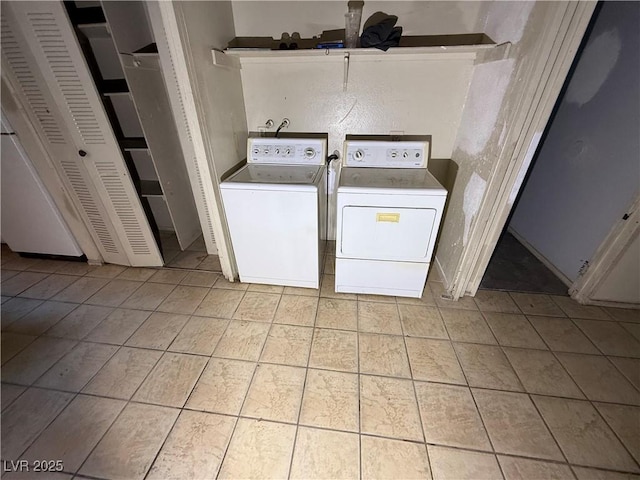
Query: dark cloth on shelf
[380, 32]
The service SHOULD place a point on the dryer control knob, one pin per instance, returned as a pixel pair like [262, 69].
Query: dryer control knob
[358, 154]
[309, 152]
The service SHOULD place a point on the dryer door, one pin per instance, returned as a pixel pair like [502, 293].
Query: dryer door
[387, 233]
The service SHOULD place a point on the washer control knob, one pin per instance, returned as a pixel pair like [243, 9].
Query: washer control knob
[309, 152]
[358, 155]
[393, 154]
[405, 155]
[277, 151]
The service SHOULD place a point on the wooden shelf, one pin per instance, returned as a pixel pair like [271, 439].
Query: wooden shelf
[150, 188]
[133, 143]
[264, 47]
[333, 53]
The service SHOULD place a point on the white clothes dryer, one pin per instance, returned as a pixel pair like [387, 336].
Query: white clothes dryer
[389, 209]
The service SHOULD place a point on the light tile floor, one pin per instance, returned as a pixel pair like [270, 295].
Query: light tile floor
[193, 257]
[138, 373]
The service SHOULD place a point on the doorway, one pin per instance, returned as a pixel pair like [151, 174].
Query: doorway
[585, 172]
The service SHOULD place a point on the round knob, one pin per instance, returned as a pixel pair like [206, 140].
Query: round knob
[277, 151]
[405, 155]
[82, 153]
[394, 154]
[256, 151]
[309, 152]
[358, 154]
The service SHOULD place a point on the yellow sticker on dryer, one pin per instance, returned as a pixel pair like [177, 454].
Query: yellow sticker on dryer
[388, 217]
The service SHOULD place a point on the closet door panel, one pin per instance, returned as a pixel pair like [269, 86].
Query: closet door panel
[53, 44]
[23, 76]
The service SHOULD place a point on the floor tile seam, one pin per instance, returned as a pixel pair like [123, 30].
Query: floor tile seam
[34, 383]
[609, 316]
[524, 457]
[549, 431]
[502, 344]
[497, 390]
[127, 403]
[210, 355]
[415, 394]
[7, 360]
[553, 353]
[562, 351]
[195, 309]
[157, 454]
[104, 434]
[106, 285]
[18, 294]
[244, 400]
[541, 295]
[468, 386]
[55, 417]
[584, 332]
[593, 406]
[582, 390]
[16, 398]
[255, 370]
[504, 354]
[168, 348]
[155, 309]
[44, 333]
[615, 434]
[359, 372]
[275, 310]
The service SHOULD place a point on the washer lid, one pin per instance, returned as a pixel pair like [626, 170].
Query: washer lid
[276, 174]
[392, 180]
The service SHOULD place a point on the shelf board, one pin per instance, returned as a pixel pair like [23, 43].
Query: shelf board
[264, 47]
[150, 188]
[375, 54]
[114, 87]
[133, 143]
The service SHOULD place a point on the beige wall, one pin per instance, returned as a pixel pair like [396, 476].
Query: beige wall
[309, 18]
[495, 92]
[210, 25]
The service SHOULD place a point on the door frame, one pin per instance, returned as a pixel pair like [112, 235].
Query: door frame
[559, 47]
[202, 173]
[606, 258]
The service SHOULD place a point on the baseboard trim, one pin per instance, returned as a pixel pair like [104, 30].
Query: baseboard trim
[541, 257]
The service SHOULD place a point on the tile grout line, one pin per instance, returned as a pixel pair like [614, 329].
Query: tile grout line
[255, 369]
[475, 404]
[127, 403]
[413, 386]
[359, 386]
[304, 387]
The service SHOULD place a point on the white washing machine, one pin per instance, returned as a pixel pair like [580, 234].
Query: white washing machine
[389, 209]
[276, 211]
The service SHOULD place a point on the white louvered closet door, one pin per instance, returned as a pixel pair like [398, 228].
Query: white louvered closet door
[91, 158]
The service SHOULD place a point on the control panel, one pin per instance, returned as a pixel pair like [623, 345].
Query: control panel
[383, 154]
[287, 151]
